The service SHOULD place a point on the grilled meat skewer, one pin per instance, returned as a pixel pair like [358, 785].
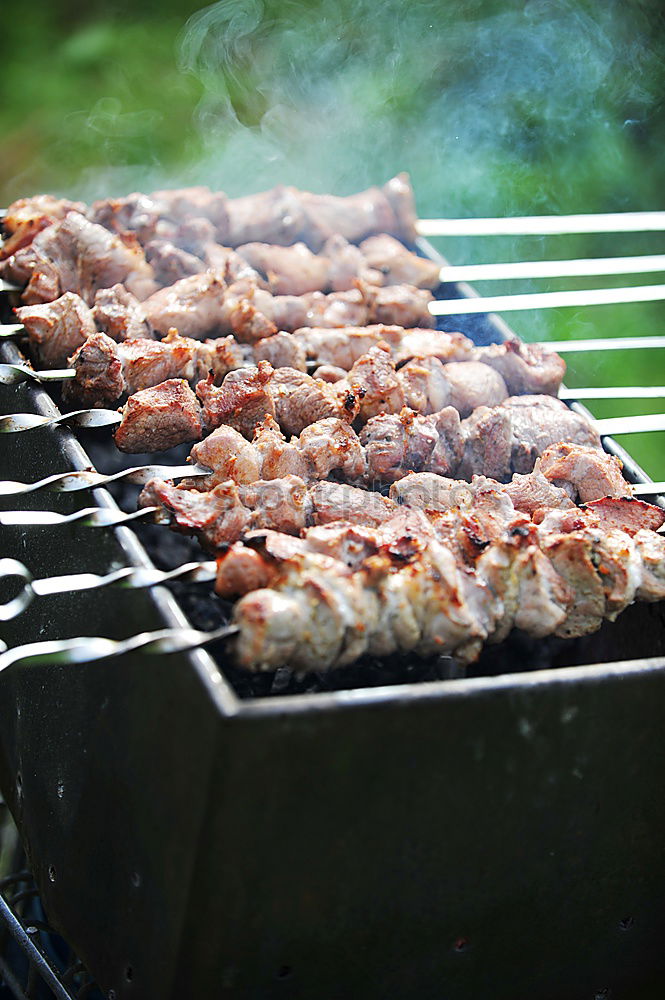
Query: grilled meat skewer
[222, 514]
[340, 592]
[523, 368]
[282, 216]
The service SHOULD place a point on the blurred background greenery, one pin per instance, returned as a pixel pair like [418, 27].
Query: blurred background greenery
[493, 107]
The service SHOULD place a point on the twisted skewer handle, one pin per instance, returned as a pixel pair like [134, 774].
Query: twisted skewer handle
[77, 418]
[11, 330]
[90, 517]
[130, 577]
[13, 374]
[71, 482]
[86, 649]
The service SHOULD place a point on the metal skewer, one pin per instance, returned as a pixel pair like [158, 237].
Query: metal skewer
[71, 482]
[77, 418]
[547, 300]
[87, 649]
[545, 225]
[615, 392]
[603, 344]
[582, 268]
[131, 577]
[11, 329]
[89, 517]
[13, 374]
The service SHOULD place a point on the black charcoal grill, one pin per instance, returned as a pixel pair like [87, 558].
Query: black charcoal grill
[394, 833]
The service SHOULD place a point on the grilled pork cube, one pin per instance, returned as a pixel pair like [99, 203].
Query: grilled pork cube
[429, 491]
[217, 517]
[57, 329]
[242, 401]
[587, 473]
[330, 445]
[338, 502]
[402, 305]
[28, 216]
[282, 351]
[534, 492]
[171, 263]
[192, 306]
[159, 418]
[105, 371]
[301, 399]
[540, 421]
[279, 457]
[487, 436]
[397, 265]
[77, 255]
[347, 264]
[229, 456]
[292, 270]
[292, 398]
[397, 444]
[119, 314]
[525, 368]
[473, 384]
[374, 378]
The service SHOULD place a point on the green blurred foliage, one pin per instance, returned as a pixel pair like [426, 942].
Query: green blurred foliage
[493, 107]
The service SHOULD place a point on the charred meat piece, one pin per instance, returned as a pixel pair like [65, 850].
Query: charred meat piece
[159, 418]
[57, 329]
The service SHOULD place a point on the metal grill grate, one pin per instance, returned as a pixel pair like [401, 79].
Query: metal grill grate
[35, 963]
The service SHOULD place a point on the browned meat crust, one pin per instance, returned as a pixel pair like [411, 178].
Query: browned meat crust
[159, 418]
[57, 329]
[75, 255]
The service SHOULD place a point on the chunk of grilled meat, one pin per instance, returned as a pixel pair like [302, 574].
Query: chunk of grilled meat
[292, 398]
[57, 329]
[75, 255]
[28, 216]
[155, 421]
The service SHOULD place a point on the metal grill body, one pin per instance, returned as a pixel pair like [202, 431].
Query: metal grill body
[496, 836]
